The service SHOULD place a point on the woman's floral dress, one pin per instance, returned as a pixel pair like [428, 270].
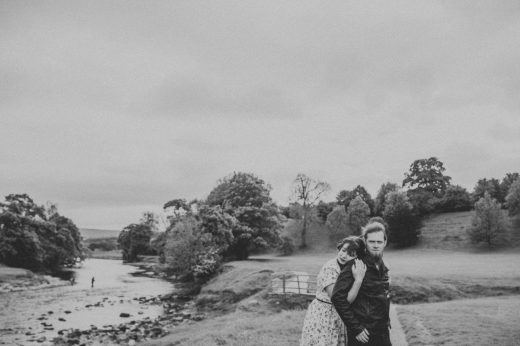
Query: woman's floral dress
[322, 325]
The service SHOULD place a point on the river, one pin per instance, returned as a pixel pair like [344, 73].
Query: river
[26, 316]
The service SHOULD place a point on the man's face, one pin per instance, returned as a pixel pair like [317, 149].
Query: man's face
[375, 244]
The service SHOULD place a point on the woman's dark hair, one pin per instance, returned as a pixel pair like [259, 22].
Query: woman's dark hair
[356, 246]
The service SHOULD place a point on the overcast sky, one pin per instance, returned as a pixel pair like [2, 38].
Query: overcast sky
[112, 108]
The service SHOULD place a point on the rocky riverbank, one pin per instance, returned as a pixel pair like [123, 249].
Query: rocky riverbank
[178, 309]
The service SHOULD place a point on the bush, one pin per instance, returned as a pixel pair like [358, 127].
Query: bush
[287, 246]
[422, 201]
[455, 198]
[403, 223]
[488, 224]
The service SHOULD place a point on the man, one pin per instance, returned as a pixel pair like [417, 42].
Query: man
[367, 318]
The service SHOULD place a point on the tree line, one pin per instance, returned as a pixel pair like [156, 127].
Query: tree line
[239, 217]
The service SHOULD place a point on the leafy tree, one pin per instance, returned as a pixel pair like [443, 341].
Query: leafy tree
[324, 209]
[491, 186]
[246, 198]
[357, 214]
[183, 246]
[338, 222]
[403, 224]
[423, 202]
[33, 239]
[488, 223]
[150, 219]
[455, 198]
[513, 198]
[307, 191]
[428, 175]
[344, 197]
[134, 240]
[380, 200]
[507, 181]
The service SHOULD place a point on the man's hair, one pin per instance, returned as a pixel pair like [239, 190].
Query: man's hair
[356, 246]
[373, 227]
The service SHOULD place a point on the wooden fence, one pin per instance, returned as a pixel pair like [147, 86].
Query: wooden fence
[294, 283]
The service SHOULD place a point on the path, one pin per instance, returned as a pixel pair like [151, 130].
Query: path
[397, 335]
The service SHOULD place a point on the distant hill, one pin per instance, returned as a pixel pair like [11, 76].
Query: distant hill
[89, 233]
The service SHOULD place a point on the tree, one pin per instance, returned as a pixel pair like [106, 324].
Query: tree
[423, 202]
[427, 174]
[380, 200]
[455, 198]
[134, 240]
[324, 209]
[344, 197]
[488, 225]
[337, 221]
[507, 181]
[513, 198]
[357, 214]
[33, 239]
[491, 186]
[246, 198]
[403, 224]
[307, 191]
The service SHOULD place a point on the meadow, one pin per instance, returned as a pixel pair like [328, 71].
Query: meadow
[446, 292]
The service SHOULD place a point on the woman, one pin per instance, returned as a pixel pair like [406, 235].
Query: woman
[322, 325]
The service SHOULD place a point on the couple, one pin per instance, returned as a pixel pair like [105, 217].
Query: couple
[352, 291]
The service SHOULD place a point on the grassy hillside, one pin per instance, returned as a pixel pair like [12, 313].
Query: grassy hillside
[446, 231]
[88, 233]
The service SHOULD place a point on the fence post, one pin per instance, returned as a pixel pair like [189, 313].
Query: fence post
[298, 280]
[283, 283]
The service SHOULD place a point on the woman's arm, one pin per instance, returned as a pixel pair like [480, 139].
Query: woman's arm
[358, 271]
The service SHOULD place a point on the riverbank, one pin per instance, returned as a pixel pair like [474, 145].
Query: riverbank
[18, 279]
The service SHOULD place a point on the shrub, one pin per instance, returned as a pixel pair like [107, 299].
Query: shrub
[287, 246]
[455, 198]
[403, 223]
[488, 223]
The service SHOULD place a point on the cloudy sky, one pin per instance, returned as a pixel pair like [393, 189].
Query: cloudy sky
[112, 108]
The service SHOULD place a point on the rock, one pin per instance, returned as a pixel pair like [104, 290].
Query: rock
[131, 342]
[124, 314]
[61, 319]
[67, 311]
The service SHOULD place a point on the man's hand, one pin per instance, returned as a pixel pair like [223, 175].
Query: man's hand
[363, 336]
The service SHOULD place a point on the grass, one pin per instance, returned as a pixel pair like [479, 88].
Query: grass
[483, 321]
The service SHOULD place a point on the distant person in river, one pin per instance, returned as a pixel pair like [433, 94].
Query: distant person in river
[92, 282]
[322, 325]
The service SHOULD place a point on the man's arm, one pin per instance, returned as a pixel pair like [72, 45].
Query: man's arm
[340, 300]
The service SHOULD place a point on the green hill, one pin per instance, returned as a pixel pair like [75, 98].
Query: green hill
[446, 231]
[89, 233]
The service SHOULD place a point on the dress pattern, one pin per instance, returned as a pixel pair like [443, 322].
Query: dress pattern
[322, 325]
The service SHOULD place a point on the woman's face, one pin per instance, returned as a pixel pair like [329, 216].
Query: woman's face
[343, 256]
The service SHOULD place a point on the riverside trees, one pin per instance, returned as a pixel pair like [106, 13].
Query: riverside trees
[37, 238]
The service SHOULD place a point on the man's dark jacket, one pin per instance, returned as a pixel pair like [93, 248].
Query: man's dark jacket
[370, 309]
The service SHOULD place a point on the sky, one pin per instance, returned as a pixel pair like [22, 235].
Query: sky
[112, 108]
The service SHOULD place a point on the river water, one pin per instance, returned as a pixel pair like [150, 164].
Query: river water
[26, 316]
